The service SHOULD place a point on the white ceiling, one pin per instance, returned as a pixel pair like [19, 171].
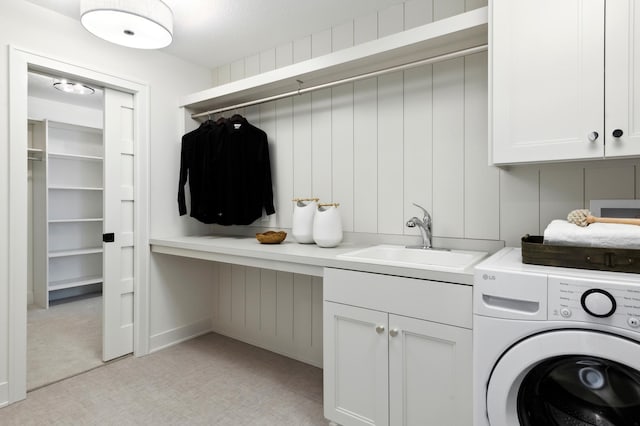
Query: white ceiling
[217, 32]
[41, 86]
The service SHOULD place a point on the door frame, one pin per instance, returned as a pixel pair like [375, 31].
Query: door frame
[20, 62]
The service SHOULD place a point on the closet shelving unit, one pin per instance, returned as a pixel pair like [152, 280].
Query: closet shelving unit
[71, 193]
[447, 38]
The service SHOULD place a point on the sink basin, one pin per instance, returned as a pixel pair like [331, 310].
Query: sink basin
[439, 260]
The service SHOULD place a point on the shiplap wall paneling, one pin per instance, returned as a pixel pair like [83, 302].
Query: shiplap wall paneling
[342, 36]
[418, 143]
[365, 28]
[267, 60]
[445, 8]
[278, 311]
[224, 74]
[519, 203]
[284, 55]
[302, 49]
[637, 181]
[365, 156]
[282, 163]
[302, 174]
[448, 148]
[390, 153]
[268, 303]
[267, 123]
[342, 152]
[481, 182]
[609, 181]
[321, 172]
[391, 20]
[417, 13]
[252, 66]
[561, 190]
[253, 295]
[321, 43]
[237, 69]
[532, 196]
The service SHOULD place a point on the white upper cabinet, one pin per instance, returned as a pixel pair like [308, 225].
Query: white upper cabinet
[563, 80]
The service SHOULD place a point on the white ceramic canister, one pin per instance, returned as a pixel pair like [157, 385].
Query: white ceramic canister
[303, 212]
[327, 226]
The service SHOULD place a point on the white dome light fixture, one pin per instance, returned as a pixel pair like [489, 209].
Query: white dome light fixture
[141, 24]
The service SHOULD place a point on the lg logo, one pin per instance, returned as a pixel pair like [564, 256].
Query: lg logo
[488, 277]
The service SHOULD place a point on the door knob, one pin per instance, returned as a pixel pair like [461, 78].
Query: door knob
[617, 133]
[379, 329]
[393, 332]
[593, 136]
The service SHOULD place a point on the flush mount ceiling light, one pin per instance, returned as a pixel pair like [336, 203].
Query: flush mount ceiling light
[142, 24]
[71, 87]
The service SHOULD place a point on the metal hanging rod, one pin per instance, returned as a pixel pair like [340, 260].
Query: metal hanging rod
[301, 91]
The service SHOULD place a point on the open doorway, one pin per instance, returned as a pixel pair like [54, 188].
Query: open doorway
[65, 226]
[125, 326]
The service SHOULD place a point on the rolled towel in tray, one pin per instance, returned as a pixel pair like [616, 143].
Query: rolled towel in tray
[610, 235]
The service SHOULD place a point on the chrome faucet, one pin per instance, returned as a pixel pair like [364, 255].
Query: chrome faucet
[424, 226]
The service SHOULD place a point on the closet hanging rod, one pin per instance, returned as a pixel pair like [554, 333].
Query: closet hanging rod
[301, 91]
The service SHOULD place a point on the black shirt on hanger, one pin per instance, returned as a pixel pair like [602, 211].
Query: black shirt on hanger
[228, 169]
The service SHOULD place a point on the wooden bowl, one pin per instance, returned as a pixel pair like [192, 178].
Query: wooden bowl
[271, 237]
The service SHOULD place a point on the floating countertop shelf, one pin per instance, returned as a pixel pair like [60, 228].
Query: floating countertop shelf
[448, 35]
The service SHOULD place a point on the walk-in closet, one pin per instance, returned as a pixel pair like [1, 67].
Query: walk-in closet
[65, 182]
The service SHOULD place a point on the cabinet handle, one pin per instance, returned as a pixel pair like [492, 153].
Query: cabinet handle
[379, 329]
[593, 136]
[393, 332]
[617, 133]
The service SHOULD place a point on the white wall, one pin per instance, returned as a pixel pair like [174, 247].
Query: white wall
[420, 136]
[378, 145]
[40, 31]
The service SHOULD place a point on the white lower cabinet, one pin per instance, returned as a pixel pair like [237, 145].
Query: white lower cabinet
[395, 367]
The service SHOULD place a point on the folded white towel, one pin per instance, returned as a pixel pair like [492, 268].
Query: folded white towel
[611, 235]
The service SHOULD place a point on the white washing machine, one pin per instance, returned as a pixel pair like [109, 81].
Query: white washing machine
[554, 346]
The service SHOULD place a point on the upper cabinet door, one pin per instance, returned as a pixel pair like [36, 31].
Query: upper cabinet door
[547, 80]
[622, 119]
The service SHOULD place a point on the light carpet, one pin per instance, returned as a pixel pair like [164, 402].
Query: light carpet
[64, 340]
[210, 380]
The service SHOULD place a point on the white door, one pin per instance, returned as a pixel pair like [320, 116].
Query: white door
[118, 261]
[355, 365]
[622, 120]
[547, 80]
[429, 373]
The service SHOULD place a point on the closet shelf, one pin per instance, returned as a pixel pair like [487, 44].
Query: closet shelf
[448, 35]
[65, 156]
[90, 219]
[78, 252]
[75, 188]
[74, 282]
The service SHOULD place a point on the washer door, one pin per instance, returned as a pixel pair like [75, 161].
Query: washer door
[567, 377]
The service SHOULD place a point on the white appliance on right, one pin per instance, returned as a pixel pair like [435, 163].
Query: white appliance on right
[554, 346]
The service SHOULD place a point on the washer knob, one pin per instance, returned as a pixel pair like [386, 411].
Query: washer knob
[598, 303]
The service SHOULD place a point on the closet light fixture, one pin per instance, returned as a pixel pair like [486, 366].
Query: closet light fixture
[71, 87]
[141, 24]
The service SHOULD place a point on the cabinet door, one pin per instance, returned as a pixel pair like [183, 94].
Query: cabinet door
[355, 365]
[547, 80]
[430, 373]
[622, 78]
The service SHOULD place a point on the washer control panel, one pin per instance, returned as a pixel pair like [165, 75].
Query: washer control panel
[613, 303]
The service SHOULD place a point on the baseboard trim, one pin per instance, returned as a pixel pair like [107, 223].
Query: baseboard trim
[4, 394]
[180, 334]
[307, 355]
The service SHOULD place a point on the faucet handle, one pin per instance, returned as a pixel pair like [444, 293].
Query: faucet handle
[427, 217]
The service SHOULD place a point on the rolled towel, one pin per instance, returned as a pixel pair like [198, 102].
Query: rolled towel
[610, 235]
